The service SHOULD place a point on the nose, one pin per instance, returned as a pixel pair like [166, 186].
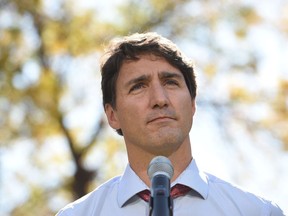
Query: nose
[158, 96]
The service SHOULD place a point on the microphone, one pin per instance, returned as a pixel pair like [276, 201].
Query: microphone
[160, 171]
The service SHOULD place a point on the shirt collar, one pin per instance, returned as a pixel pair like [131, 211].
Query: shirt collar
[130, 184]
[193, 178]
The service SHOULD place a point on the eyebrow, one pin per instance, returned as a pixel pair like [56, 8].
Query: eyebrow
[168, 74]
[162, 75]
[137, 80]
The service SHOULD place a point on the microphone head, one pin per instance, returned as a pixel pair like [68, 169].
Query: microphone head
[160, 165]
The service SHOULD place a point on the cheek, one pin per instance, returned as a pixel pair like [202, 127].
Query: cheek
[187, 108]
[130, 114]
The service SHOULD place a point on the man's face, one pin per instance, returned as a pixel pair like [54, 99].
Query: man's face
[154, 108]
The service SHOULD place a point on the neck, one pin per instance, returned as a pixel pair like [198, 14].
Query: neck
[140, 160]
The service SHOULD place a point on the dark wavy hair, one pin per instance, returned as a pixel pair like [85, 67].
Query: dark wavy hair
[129, 48]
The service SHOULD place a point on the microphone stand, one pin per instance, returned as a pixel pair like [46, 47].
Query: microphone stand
[161, 203]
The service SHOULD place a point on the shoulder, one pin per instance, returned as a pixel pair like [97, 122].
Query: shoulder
[222, 186]
[90, 201]
[241, 197]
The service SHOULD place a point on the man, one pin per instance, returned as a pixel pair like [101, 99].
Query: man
[149, 92]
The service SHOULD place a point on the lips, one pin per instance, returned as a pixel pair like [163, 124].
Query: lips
[157, 117]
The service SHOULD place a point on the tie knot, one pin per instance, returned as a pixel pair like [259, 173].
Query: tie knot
[176, 191]
[145, 195]
[179, 190]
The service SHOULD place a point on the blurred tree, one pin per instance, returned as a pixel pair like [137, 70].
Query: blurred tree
[35, 95]
[39, 45]
[32, 41]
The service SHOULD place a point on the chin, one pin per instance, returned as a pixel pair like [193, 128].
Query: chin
[167, 145]
[170, 136]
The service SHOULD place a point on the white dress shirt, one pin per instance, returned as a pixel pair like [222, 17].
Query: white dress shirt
[209, 196]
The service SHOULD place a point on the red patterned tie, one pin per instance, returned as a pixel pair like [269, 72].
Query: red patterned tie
[176, 191]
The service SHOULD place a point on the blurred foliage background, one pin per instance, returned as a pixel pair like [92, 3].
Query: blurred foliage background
[55, 142]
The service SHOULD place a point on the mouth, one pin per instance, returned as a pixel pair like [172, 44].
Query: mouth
[161, 119]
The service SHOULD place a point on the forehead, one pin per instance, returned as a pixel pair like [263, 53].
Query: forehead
[147, 64]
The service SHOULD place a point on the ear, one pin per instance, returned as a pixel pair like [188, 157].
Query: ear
[111, 115]
[193, 106]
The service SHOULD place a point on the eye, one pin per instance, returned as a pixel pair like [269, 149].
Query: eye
[136, 87]
[171, 82]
